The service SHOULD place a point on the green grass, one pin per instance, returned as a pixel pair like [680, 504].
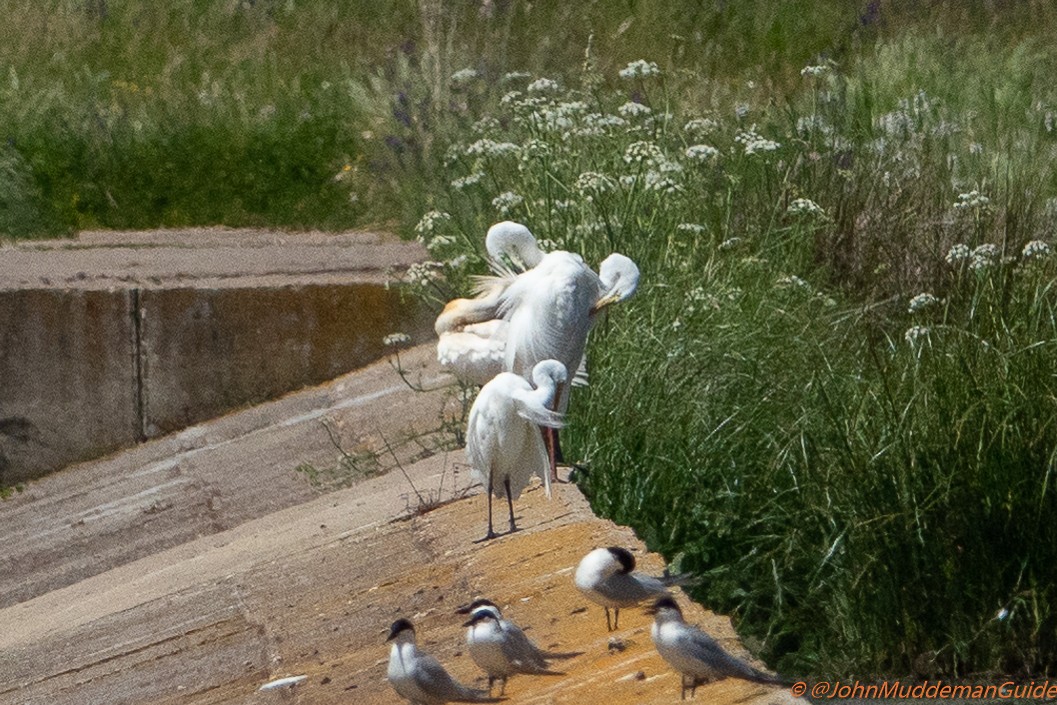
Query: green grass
[865, 488]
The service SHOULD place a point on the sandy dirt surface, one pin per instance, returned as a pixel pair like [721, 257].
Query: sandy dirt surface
[197, 568]
[208, 257]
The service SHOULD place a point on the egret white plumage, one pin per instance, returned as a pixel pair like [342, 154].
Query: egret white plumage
[500, 648]
[605, 576]
[419, 677]
[694, 654]
[551, 309]
[503, 443]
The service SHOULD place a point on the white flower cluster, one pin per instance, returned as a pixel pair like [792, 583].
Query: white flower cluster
[973, 200]
[543, 85]
[593, 183]
[396, 339]
[701, 126]
[439, 242]
[507, 201]
[984, 256]
[464, 76]
[814, 71]
[701, 152]
[690, 228]
[1036, 249]
[730, 243]
[805, 206]
[958, 253]
[430, 220]
[468, 180]
[639, 69]
[754, 143]
[490, 148]
[633, 110]
[514, 76]
[643, 152]
[914, 333]
[422, 273]
[922, 301]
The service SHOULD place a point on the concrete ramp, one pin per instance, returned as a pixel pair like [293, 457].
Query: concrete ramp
[110, 339]
[291, 580]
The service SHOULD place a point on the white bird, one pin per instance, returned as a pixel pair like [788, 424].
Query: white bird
[605, 576]
[419, 677]
[503, 443]
[472, 339]
[500, 648]
[551, 308]
[694, 654]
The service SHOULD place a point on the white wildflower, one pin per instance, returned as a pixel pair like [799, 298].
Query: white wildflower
[542, 85]
[814, 71]
[422, 273]
[701, 126]
[730, 243]
[694, 228]
[805, 206]
[456, 262]
[914, 333]
[741, 110]
[754, 143]
[643, 152]
[984, 256]
[396, 339]
[463, 76]
[593, 183]
[604, 122]
[701, 152]
[1036, 249]
[973, 200]
[630, 110]
[490, 148]
[535, 148]
[510, 98]
[697, 294]
[430, 220]
[958, 253]
[639, 69]
[514, 76]
[975, 148]
[659, 181]
[922, 301]
[439, 242]
[468, 181]
[507, 202]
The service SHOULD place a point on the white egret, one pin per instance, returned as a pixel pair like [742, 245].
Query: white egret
[551, 309]
[503, 444]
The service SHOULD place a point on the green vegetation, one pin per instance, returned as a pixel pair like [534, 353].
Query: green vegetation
[833, 395]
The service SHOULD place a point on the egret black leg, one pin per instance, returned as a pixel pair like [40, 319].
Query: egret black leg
[609, 627]
[509, 504]
[491, 534]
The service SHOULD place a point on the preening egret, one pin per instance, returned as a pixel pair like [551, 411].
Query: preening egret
[419, 677]
[503, 443]
[694, 654]
[551, 309]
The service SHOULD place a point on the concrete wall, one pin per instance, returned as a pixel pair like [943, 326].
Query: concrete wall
[83, 372]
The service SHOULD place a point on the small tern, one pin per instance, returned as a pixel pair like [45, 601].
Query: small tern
[605, 577]
[501, 649]
[694, 654]
[419, 677]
